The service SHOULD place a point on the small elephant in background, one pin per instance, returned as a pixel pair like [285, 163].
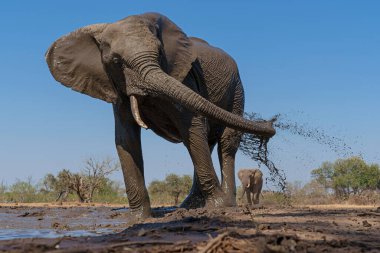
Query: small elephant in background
[252, 183]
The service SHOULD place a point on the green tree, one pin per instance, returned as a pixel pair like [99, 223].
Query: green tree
[173, 186]
[23, 191]
[48, 183]
[348, 176]
[324, 175]
[370, 178]
[3, 191]
[157, 187]
[176, 185]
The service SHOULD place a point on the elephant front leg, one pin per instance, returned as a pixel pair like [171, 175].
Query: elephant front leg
[256, 198]
[197, 144]
[257, 191]
[249, 196]
[195, 199]
[128, 145]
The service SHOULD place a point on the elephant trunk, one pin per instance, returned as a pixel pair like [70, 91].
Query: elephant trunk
[181, 94]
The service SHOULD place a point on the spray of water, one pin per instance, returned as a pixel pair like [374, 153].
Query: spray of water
[256, 147]
[335, 144]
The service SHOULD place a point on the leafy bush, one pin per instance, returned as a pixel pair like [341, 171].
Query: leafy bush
[173, 189]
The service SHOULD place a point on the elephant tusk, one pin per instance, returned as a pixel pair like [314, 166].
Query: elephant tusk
[136, 113]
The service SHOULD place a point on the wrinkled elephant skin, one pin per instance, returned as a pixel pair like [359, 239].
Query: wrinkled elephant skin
[157, 77]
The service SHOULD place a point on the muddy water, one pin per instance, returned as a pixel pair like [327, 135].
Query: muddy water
[17, 222]
[257, 149]
[8, 234]
[32, 222]
[234, 229]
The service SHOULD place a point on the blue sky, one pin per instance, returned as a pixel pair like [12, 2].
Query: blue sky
[316, 61]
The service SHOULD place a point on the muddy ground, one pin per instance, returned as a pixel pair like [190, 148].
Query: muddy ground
[265, 229]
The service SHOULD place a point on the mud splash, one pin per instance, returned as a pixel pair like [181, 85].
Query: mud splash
[338, 145]
[256, 148]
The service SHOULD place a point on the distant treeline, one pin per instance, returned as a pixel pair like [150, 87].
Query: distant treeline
[349, 180]
[92, 184]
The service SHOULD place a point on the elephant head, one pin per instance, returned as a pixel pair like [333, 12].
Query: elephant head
[252, 183]
[141, 55]
[246, 177]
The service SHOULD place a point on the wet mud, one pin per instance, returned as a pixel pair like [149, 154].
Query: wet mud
[238, 229]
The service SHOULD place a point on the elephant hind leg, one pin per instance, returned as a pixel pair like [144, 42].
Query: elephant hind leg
[228, 145]
[196, 141]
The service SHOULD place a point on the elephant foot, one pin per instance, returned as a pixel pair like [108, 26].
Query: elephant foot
[159, 212]
[231, 201]
[220, 200]
[253, 206]
[257, 206]
[137, 215]
[193, 200]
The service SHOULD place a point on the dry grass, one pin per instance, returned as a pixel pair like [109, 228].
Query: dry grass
[337, 206]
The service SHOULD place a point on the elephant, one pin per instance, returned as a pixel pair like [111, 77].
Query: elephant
[158, 78]
[252, 183]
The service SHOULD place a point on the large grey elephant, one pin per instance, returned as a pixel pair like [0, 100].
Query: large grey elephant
[156, 77]
[252, 183]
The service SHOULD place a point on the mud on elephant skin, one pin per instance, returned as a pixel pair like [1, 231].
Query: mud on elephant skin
[157, 77]
[252, 183]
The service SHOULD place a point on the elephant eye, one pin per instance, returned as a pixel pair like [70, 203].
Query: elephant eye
[115, 60]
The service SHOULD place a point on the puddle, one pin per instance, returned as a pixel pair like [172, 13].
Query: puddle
[9, 234]
[52, 222]
[36, 222]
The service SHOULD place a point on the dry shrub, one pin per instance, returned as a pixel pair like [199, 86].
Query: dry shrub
[267, 198]
[311, 193]
[367, 197]
[273, 198]
[162, 199]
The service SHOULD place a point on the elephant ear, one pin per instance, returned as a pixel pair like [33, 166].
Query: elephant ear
[177, 48]
[75, 61]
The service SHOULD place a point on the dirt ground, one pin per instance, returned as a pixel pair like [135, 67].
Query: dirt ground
[331, 228]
